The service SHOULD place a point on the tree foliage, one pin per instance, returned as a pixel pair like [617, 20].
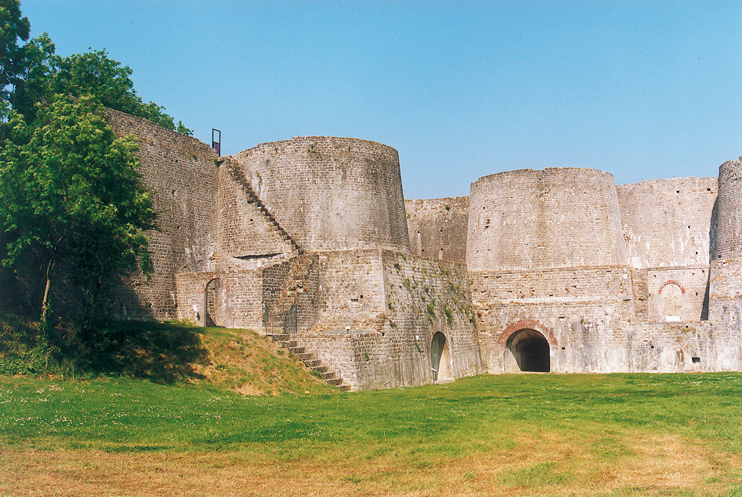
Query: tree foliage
[70, 187]
[91, 73]
[12, 56]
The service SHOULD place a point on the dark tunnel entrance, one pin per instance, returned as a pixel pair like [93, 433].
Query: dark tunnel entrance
[530, 350]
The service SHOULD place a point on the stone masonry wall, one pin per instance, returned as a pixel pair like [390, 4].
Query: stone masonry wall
[182, 173]
[331, 193]
[727, 229]
[239, 298]
[581, 309]
[558, 217]
[392, 303]
[438, 227]
[667, 222]
[243, 230]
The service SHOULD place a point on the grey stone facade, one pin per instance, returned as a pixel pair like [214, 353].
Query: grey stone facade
[555, 270]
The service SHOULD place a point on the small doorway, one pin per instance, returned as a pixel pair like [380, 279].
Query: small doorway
[213, 296]
[440, 359]
[527, 350]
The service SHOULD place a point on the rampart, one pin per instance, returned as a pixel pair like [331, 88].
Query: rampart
[559, 270]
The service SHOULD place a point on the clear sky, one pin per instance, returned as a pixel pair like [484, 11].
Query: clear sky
[641, 89]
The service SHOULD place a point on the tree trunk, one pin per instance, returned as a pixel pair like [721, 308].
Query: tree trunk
[45, 301]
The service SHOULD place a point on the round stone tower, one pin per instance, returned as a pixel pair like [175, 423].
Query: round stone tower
[331, 193]
[726, 241]
[558, 217]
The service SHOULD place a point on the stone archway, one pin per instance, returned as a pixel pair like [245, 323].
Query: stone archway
[440, 359]
[529, 349]
[213, 296]
[527, 346]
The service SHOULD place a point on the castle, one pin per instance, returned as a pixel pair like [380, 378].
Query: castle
[310, 240]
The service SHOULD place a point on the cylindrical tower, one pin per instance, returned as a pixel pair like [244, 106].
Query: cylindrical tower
[558, 217]
[331, 193]
[726, 239]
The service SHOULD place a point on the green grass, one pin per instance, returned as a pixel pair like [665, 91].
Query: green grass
[620, 434]
[485, 410]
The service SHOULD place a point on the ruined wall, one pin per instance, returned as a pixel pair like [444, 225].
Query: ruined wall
[182, 173]
[558, 217]
[666, 222]
[438, 227]
[331, 193]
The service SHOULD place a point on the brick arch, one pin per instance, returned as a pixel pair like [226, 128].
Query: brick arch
[214, 276]
[527, 324]
[671, 282]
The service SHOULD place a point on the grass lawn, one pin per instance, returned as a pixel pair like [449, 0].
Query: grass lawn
[530, 434]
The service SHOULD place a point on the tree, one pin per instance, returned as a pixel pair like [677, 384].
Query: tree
[91, 73]
[12, 58]
[70, 187]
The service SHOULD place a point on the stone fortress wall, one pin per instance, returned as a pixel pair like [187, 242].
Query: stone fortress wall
[554, 270]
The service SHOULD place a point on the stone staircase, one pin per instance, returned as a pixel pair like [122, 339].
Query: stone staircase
[297, 285]
[310, 360]
[235, 172]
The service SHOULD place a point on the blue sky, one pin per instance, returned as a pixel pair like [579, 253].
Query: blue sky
[643, 90]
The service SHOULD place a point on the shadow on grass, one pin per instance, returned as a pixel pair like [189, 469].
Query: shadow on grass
[159, 352]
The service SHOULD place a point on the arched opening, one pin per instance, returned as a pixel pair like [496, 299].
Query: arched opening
[440, 359]
[671, 301]
[530, 351]
[213, 303]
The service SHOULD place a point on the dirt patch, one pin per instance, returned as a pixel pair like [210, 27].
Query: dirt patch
[650, 465]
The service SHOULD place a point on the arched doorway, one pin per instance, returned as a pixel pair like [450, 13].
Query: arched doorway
[671, 296]
[440, 358]
[213, 295]
[529, 350]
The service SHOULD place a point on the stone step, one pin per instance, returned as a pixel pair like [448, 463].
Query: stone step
[297, 350]
[320, 368]
[330, 375]
[305, 356]
[335, 381]
[312, 363]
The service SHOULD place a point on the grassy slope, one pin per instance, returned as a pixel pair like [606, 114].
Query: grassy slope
[171, 353]
[488, 435]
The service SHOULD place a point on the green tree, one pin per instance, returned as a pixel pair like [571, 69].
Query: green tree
[90, 73]
[12, 57]
[70, 187]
